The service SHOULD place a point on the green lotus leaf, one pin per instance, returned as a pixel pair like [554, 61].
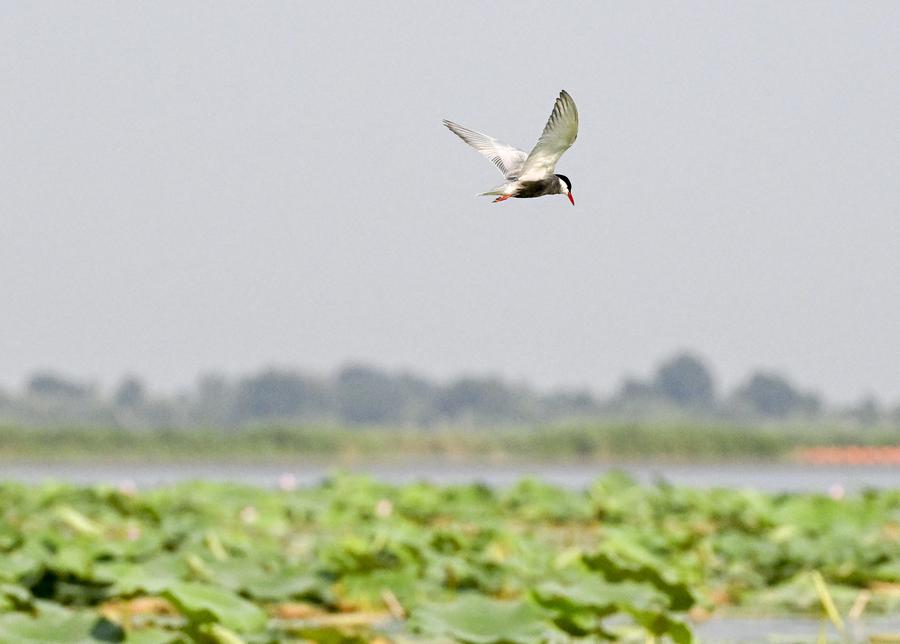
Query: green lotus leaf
[367, 591]
[58, 627]
[325, 635]
[220, 635]
[202, 603]
[660, 624]
[233, 574]
[17, 597]
[476, 619]
[73, 559]
[284, 585]
[154, 636]
[591, 591]
[22, 563]
[253, 578]
[152, 576]
[617, 569]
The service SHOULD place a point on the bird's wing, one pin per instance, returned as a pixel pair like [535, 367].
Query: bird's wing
[558, 136]
[503, 155]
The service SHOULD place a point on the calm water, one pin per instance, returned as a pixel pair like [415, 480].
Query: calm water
[792, 630]
[767, 477]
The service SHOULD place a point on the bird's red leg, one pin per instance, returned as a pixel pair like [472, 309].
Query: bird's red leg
[499, 199]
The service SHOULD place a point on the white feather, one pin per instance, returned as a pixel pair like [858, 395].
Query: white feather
[507, 158]
[558, 136]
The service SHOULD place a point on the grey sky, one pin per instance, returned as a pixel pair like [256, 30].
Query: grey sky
[195, 186]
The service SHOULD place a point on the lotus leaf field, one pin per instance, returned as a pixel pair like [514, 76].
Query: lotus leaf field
[354, 560]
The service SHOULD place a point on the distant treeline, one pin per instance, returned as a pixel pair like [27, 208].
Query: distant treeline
[682, 387]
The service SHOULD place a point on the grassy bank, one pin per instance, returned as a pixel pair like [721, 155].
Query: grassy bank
[586, 442]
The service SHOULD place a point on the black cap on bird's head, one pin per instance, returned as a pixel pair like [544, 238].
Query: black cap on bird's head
[568, 183]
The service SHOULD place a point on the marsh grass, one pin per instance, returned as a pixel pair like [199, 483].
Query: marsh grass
[593, 442]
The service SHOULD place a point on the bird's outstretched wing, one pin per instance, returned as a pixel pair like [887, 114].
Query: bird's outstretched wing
[558, 136]
[503, 155]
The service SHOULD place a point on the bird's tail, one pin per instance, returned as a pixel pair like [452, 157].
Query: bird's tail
[499, 190]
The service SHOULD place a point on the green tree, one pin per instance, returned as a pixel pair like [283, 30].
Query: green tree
[51, 385]
[130, 394]
[867, 412]
[367, 396]
[276, 394]
[685, 381]
[773, 396]
[481, 398]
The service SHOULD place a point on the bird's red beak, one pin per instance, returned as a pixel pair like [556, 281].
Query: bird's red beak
[571, 198]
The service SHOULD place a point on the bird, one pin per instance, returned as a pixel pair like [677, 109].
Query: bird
[529, 174]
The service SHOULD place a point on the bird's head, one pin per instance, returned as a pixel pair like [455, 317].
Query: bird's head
[565, 187]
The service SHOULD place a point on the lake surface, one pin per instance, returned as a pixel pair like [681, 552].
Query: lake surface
[791, 630]
[778, 477]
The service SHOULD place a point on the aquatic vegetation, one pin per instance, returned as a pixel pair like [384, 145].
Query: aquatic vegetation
[595, 441]
[354, 560]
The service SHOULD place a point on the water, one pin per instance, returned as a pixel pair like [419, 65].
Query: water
[779, 477]
[791, 630]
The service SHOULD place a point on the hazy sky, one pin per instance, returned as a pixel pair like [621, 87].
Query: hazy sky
[187, 186]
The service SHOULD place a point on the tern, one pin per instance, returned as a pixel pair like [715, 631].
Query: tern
[530, 174]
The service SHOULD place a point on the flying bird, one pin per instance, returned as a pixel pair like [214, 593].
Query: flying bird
[530, 174]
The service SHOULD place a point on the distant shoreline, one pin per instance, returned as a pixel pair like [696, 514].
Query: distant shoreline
[586, 443]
